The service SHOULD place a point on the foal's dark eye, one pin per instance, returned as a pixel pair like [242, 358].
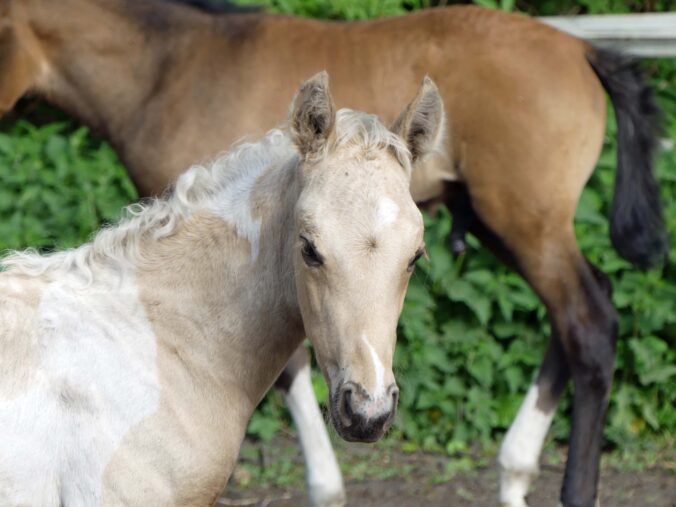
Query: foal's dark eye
[416, 258]
[310, 254]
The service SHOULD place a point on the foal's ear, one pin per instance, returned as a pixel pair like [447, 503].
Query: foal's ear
[422, 123]
[312, 115]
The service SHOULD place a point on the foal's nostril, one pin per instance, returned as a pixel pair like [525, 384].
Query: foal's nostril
[345, 406]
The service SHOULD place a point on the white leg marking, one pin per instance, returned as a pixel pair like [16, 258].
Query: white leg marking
[325, 484]
[378, 368]
[520, 451]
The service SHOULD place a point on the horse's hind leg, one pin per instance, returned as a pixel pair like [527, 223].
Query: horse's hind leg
[586, 325]
[577, 297]
[590, 347]
[324, 481]
[521, 448]
[520, 451]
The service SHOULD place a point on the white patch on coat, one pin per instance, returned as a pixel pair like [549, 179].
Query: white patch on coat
[97, 379]
[233, 206]
[520, 451]
[325, 483]
[387, 212]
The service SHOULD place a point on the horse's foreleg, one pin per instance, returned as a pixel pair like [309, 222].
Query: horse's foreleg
[324, 481]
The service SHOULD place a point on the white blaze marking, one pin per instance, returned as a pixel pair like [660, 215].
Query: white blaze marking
[520, 451]
[97, 379]
[379, 369]
[386, 213]
[325, 484]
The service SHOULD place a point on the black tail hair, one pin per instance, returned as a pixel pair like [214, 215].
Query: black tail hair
[219, 6]
[636, 224]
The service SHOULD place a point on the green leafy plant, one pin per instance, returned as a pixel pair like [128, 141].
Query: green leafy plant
[58, 186]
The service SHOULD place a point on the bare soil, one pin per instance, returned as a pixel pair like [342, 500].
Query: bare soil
[391, 478]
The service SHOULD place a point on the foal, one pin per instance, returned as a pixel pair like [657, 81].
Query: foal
[131, 365]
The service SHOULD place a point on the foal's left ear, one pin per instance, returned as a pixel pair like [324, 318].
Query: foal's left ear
[312, 115]
[423, 122]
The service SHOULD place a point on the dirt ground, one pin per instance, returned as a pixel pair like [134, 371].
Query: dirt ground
[421, 480]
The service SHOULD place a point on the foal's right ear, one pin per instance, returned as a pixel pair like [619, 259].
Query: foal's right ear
[423, 122]
[312, 115]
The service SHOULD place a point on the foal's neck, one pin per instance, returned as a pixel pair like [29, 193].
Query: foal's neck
[241, 295]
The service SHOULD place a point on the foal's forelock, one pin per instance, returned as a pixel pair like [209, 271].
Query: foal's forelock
[366, 132]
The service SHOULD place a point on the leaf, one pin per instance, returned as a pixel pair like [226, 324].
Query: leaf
[463, 291]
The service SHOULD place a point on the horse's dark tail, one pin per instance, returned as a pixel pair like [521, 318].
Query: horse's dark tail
[636, 224]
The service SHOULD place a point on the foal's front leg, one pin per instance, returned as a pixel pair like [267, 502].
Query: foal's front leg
[324, 481]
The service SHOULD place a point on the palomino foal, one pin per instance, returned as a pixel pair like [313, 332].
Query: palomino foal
[131, 365]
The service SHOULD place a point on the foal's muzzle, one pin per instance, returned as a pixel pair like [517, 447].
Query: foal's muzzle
[361, 417]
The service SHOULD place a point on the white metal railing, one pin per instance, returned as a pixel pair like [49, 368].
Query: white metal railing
[647, 35]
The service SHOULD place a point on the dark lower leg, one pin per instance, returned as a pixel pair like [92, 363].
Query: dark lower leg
[590, 347]
[582, 468]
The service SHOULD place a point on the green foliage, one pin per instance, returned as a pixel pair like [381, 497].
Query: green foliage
[340, 9]
[58, 185]
[472, 333]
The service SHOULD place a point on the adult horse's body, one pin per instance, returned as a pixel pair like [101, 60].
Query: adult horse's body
[131, 365]
[167, 84]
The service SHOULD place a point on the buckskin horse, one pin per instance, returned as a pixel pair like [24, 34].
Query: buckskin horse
[168, 84]
[131, 365]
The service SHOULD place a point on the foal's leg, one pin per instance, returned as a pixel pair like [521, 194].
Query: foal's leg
[324, 481]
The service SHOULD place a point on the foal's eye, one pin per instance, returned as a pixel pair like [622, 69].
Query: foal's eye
[416, 258]
[310, 254]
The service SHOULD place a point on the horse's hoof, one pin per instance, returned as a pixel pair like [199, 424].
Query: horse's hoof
[327, 498]
[516, 503]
